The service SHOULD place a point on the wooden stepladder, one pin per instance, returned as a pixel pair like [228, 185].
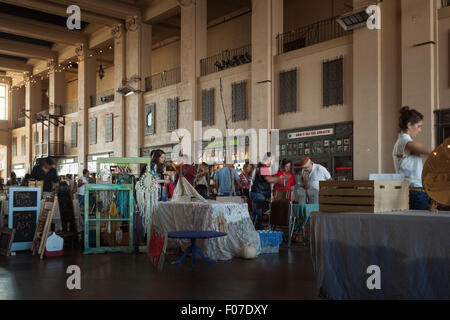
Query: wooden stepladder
[43, 225]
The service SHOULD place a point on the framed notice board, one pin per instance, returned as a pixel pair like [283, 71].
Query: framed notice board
[24, 209]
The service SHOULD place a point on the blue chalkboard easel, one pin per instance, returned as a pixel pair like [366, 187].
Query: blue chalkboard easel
[24, 209]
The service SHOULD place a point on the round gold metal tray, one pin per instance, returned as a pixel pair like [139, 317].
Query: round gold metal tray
[436, 174]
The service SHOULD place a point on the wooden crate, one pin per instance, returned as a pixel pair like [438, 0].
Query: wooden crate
[363, 196]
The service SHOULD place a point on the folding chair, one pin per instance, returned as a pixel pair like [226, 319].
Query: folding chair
[281, 212]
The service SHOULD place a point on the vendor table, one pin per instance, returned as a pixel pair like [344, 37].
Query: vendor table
[56, 217]
[411, 249]
[232, 218]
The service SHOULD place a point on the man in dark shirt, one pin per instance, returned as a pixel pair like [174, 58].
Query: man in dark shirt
[261, 181]
[45, 171]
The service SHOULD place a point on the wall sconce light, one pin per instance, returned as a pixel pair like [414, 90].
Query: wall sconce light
[101, 72]
[126, 89]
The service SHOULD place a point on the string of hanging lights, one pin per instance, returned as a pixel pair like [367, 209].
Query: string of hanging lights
[62, 67]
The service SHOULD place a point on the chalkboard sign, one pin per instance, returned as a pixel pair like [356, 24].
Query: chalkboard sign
[23, 214]
[6, 238]
[25, 199]
[25, 224]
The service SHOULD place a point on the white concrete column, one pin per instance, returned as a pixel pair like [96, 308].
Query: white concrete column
[119, 100]
[366, 101]
[138, 64]
[419, 63]
[193, 39]
[17, 104]
[57, 93]
[201, 33]
[277, 23]
[86, 88]
[391, 81]
[267, 22]
[193, 49]
[33, 100]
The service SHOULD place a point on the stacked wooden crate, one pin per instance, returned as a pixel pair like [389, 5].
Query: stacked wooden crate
[363, 196]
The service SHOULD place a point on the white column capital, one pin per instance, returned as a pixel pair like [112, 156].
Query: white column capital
[133, 23]
[116, 31]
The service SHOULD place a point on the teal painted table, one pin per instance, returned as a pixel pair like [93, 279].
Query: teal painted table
[302, 211]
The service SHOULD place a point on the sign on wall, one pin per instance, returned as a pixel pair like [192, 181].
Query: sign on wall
[311, 133]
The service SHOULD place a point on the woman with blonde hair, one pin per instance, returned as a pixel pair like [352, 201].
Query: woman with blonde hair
[201, 180]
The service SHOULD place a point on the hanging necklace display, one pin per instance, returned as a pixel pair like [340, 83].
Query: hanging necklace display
[146, 198]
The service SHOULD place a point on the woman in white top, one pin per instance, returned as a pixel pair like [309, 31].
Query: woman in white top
[407, 156]
[201, 180]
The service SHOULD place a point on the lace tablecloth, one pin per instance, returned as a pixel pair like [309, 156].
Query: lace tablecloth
[231, 218]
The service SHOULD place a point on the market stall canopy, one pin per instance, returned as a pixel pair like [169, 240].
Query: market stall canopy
[436, 174]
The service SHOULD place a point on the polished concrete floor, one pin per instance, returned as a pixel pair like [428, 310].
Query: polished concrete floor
[287, 275]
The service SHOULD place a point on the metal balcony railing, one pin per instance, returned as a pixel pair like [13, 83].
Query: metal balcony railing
[163, 79]
[19, 123]
[312, 34]
[226, 59]
[52, 149]
[69, 107]
[102, 97]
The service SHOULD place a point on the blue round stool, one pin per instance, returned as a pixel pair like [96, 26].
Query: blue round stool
[194, 235]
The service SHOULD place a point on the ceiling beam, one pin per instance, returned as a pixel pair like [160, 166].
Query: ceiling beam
[168, 26]
[15, 65]
[26, 50]
[111, 8]
[100, 36]
[61, 10]
[159, 10]
[38, 30]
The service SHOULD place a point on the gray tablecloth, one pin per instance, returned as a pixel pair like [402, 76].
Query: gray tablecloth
[231, 218]
[411, 248]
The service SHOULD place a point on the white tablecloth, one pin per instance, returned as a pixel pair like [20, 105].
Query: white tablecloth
[411, 248]
[231, 218]
[56, 216]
